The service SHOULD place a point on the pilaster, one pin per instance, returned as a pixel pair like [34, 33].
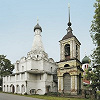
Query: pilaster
[60, 84]
[74, 85]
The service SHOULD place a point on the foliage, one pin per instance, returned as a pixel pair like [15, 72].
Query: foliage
[98, 93]
[6, 67]
[94, 75]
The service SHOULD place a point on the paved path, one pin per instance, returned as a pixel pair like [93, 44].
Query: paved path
[4, 96]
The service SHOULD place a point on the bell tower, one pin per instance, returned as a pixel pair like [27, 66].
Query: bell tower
[70, 70]
[69, 45]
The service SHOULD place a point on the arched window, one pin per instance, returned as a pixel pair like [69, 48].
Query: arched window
[51, 69]
[67, 65]
[23, 89]
[22, 68]
[67, 51]
[4, 88]
[17, 88]
[7, 88]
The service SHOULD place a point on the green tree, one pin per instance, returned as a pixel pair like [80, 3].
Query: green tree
[6, 67]
[95, 34]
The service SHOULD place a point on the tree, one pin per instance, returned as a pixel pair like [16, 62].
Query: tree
[6, 67]
[95, 34]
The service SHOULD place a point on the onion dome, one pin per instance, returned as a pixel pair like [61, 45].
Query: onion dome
[86, 60]
[37, 27]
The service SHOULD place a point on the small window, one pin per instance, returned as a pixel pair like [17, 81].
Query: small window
[17, 66]
[85, 66]
[51, 69]
[67, 65]
[40, 77]
[22, 68]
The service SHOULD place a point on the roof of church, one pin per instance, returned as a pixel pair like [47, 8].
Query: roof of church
[69, 29]
[37, 27]
[69, 34]
[86, 60]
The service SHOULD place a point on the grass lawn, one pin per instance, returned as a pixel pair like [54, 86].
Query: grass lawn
[50, 97]
[53, 98]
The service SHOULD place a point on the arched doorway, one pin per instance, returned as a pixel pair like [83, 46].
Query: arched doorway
[12, 88]
[67, 83]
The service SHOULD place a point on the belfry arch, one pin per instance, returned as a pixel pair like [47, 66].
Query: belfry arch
[67, 51]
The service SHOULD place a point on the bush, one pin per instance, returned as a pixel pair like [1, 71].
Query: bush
[53, 94]
[98, 93]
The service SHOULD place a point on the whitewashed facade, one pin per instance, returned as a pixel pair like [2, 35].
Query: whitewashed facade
[34, 74]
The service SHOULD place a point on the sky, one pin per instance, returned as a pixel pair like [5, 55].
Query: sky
[18, 18]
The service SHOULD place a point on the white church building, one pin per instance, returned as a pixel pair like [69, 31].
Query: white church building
[34, 74]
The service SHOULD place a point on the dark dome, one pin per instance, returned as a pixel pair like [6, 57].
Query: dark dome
[86, 60]
[37, 27]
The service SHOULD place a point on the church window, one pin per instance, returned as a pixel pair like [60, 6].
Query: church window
[67, 65]
[40, 77]
[4, 88]
[23, 89]
[51, 69]
[22, 68]
[17, 66]
[17, 88]
[67, 51]
[7, 88]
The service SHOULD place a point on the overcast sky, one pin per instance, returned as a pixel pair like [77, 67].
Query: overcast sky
[18, 18]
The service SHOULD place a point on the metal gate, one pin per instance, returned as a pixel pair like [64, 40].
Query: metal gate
[67, 83]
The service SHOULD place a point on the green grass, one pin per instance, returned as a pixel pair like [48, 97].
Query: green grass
[49, 97]
[53, 98]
